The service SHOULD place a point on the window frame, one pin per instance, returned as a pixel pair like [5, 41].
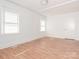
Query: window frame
[43, 25]
[3, 21]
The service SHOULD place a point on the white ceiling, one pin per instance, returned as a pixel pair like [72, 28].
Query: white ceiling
[67, 8]
[38, 7]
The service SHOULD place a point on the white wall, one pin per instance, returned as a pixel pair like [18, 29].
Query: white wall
[63, 26]
[29, 26]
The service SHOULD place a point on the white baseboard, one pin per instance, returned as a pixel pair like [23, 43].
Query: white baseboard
[63, 36]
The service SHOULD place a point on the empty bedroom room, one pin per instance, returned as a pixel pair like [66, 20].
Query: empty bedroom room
[39, 29]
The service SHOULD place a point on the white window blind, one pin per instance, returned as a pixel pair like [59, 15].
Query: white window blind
[42, 25]
[10, 23]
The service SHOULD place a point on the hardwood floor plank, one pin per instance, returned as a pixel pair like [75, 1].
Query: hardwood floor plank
[43, 48]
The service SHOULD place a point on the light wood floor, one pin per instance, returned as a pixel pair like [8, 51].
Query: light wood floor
[43, 48]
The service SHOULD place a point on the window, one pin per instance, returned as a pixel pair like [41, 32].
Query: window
[10, 23]
[42, 25]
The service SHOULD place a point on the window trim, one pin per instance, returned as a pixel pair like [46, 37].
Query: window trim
[3, 22]
[43, 26]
